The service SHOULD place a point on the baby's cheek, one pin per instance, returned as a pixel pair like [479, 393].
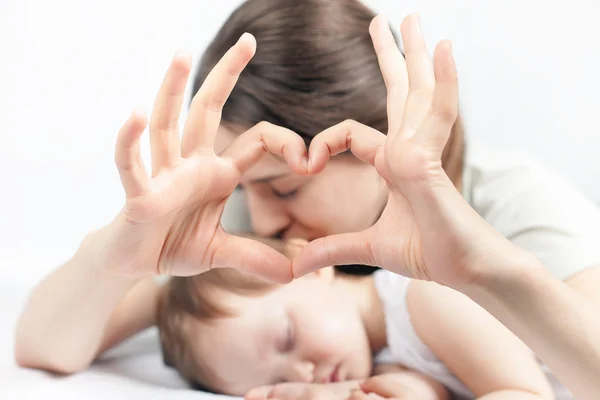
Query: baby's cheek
[330, 335]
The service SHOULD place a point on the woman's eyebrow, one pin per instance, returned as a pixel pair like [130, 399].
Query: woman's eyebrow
[270, 178]
[265, 179]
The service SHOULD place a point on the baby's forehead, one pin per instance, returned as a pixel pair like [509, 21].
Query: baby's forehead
[254, 320]
[236, 348]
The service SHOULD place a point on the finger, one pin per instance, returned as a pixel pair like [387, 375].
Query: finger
[134, 178]
[393, 69]
[380, 385]
[293, 246]
[444, 108]
[253, 257]
[205, 111]
[289, 391]
[264, 137]
[420, 75]
[341, 249]
[363, 141]
[164, 122]
[259, 393]
[358, 395]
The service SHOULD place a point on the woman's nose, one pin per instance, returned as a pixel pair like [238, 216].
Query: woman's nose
[266, 216]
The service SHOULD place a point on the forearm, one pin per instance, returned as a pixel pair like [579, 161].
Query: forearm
[561, 327]
[65, 320]
[134, 313]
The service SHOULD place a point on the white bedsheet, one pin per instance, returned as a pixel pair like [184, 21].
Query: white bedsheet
[131, 371]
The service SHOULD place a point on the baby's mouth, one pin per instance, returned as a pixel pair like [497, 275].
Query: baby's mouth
[335, 374]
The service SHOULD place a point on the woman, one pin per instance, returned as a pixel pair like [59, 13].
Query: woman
[315, 67]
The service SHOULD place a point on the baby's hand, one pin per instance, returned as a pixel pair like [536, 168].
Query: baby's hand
[402, 386]
[304, 391]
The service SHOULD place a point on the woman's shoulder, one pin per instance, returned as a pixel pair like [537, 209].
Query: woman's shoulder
[496, 177]
[487, 167]
[534, 207]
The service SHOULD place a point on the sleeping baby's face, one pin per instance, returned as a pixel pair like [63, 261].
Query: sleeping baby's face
[310, 330]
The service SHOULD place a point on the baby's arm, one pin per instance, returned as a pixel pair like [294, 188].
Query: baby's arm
[81, 310]
[479, 350]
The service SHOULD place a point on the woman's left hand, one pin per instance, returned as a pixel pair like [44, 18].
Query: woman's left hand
[427, 230]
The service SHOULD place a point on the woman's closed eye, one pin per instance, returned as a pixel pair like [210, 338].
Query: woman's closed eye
[284, 195]
[281, 194]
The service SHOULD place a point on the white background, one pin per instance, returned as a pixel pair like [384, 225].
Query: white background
[71, 71]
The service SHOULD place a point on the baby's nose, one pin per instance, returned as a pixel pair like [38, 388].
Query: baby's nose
[303, 372]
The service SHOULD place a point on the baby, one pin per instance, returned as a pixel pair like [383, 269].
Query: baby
[232, 333]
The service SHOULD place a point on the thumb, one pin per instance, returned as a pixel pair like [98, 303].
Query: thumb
[253, 257]
[289, 391]
[342, 249]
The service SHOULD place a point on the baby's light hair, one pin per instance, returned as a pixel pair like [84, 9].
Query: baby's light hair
[186, 300]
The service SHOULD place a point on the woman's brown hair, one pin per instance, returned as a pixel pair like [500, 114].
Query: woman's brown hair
[315, 66]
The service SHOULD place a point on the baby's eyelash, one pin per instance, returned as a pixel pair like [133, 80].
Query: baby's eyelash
[289, 341]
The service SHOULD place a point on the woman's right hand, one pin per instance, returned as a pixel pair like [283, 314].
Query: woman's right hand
[170, 223]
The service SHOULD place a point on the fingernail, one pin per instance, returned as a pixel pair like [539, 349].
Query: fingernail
[245, 35]
[305, 163]
[417, 24]
[383, 23]
[140, 111]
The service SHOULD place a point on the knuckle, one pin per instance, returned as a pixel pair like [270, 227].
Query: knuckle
[155, 124]
[263, 125]
[211, 102]
[355, 395]
[349, 123]
[447, 113]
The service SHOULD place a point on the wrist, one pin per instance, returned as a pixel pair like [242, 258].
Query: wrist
[503, 282]
[93, 255]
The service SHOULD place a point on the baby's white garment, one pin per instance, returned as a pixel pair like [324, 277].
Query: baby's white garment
[406, 348]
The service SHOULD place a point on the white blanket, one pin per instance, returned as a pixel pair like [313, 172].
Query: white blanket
[131, 371]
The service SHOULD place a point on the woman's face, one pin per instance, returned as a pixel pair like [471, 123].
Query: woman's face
[346, 196]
